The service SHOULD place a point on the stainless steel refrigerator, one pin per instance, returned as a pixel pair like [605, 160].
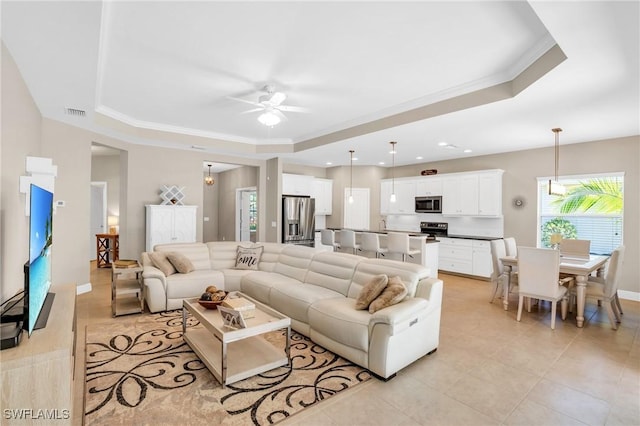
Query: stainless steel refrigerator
[298, 220]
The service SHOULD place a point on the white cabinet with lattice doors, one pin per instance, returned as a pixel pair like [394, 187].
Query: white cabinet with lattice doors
[170, 224]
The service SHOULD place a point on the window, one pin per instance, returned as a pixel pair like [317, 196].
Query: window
[592, 209]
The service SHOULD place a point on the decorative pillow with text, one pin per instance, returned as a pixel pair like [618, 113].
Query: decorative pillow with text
[248, 257]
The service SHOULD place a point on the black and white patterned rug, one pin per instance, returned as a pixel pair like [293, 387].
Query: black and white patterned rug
[140, 371]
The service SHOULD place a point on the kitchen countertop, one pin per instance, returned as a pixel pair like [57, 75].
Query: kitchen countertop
[473, 237]
[386, 231]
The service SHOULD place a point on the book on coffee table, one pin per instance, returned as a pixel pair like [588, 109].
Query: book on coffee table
[242, 305]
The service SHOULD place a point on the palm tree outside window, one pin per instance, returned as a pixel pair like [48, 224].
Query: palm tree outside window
[592, 209]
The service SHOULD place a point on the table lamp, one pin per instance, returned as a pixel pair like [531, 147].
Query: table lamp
[112, 222]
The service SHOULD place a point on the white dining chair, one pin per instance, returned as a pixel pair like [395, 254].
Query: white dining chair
[538, 272]
[348, 240]
[511, 247]
[370, 242]
[606, 290]
[499, 277]
[398, 242]
[328, 238]
[577, 249]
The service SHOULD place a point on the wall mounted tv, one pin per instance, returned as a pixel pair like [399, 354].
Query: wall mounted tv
[37, 271]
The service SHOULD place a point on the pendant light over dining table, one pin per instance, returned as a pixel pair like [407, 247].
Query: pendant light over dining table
[393, 166]
[555, 187]
[351, 176]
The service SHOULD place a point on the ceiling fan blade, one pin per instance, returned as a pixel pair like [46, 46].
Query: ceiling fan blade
[279, 114]
[245, 101]
[252, 110]
[288, 108]
[277, 98]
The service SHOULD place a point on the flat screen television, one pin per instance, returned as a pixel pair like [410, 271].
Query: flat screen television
[37, 271]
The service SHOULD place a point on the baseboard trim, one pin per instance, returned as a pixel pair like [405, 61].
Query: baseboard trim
[629, 295]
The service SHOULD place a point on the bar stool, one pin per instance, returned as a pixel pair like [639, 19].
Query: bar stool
[348, 240]
[398, 242]
[328, 238]
[371, 242]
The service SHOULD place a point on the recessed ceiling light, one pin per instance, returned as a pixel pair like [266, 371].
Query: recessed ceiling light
[392, 152]
[355, 158]
[442, 144]
[419, 157]
[467, 151]
[381, 163]
[329, 163]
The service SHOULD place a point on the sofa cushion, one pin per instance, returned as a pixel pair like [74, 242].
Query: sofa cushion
[393, 293]
[270, 256]
[248, 257]
[294, 261]
[179, 261]
[371, 290]
[409, 273]
[339, 319]
[222, 254]
[258, 284]
[332, 270]
[233, 278]
[294, 300]
[197, 253]
[193, 284]
[160, 261]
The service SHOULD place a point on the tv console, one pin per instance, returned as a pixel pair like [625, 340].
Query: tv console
[39, 373]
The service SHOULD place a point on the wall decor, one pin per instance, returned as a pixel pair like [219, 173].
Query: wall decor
[172, 195]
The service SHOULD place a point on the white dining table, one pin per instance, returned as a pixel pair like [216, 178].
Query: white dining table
[580, 268]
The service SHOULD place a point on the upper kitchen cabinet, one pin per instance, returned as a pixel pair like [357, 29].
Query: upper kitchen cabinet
[296, 184]
[405, 190]
[322, 191]
[472, 194]
[429, 186]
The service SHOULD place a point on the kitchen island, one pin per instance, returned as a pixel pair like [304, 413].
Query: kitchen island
[427, 257]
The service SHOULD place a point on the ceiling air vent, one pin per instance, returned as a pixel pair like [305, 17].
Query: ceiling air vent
[75, 112]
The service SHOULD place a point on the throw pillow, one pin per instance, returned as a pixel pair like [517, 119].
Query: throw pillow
[393, 293]
[370, 291]
[248, 257]
[160, 261]
[180, 262]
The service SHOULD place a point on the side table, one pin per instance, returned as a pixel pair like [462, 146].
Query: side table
[107, 249]
[127, 291]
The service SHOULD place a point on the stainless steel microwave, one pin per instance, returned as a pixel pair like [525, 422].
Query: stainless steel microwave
[429, 204]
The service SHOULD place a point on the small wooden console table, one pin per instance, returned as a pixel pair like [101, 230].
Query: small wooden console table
[107, 248]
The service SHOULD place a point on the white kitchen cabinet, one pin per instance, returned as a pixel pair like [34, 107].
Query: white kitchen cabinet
[405, 191]
[465, 256]
[428, 186]
[482, 263]
[296, 184]
[456, 255]
[322, 191]
[490, 194]
[170, 224]
[460, 195]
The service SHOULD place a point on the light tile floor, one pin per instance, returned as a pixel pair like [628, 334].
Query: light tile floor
[489, 369]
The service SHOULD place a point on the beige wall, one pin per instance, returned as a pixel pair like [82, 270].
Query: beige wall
[106, 168]
[210, 208]
[21, 125]
[298, 169]
[272, 201]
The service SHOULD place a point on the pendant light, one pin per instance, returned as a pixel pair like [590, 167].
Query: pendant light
[209, 179]
[351, 173]
[555, 188]
[393, 166]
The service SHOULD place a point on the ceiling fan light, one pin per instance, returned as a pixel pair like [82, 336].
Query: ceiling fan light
[268, 118]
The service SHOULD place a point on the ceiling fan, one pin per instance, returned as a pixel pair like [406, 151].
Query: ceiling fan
[270, 104]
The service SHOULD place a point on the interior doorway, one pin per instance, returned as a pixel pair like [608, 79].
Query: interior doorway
[246, 214]
[98, 221]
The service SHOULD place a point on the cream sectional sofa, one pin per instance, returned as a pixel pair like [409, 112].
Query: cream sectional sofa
[317, 290]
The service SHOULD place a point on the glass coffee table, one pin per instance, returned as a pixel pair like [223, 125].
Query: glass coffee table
[235, 354]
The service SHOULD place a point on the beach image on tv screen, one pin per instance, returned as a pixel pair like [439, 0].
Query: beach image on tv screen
[40, 234]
